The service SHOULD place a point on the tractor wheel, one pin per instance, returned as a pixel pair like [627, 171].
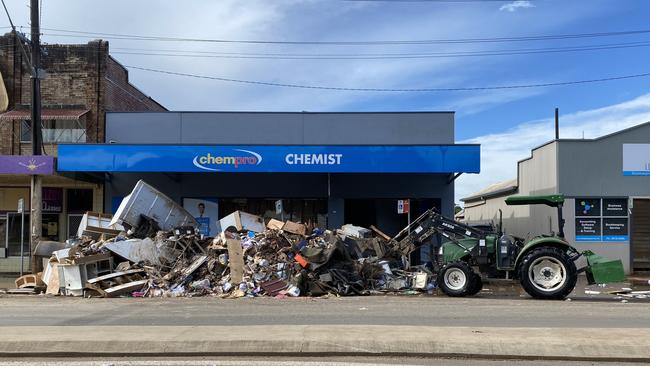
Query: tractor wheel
[548, 273]
[476, 285]
[456, 279]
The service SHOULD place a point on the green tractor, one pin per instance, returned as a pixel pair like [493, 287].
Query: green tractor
[545, 265]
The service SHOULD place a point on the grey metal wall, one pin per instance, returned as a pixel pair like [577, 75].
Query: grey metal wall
[306, 128]
[595, 167]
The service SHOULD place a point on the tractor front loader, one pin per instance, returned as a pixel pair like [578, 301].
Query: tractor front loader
[544, 265]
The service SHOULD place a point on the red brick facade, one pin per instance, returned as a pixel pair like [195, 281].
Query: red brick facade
[81, 76]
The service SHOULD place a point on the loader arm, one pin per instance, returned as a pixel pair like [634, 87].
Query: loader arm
[428, 224]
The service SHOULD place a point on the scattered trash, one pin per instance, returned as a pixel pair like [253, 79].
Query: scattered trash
[152, 247]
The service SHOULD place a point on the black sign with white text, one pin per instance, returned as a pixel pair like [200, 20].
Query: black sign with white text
[615, 229]
[614, 206]
[588, 229]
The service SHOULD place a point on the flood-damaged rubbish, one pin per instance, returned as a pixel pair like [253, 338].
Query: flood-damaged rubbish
[97, 225]
[241, 221]
[152, 247]
[147, 202]
[29, 281]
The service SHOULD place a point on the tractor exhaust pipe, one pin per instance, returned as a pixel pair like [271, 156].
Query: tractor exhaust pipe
[500, 229]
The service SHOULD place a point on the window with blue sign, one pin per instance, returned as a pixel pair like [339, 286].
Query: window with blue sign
[601, 219]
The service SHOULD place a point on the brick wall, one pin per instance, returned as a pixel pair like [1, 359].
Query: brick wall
[121, 95]
[77, 76]
[12, 69]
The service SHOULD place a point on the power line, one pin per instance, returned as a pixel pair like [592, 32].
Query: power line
[20, 42]
[319, 87]
[75, 33]
[433, 1]
[371, 56]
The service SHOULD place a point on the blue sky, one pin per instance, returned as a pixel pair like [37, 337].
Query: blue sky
[506, 116]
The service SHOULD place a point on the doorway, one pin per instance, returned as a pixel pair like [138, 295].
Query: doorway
[641, 235]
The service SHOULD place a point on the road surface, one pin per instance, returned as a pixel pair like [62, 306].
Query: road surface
[373, 310]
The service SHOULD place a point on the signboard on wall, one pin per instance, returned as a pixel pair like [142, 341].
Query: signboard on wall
[636, 159]
[27, 164]
[52, 200]
[269, 158]
[615, 229]
[601, 219]
[206, 213]
[588, 229]
[403, 206]
[587, 207]
[615, 207]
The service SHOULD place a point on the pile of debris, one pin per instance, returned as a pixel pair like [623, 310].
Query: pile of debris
[152, 248]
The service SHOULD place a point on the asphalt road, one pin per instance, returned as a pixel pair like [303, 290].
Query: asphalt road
[372, 310]
[306, 361]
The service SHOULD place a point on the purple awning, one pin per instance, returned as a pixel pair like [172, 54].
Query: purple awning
[26, 164]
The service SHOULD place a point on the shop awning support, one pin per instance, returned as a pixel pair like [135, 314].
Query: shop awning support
[453, 177]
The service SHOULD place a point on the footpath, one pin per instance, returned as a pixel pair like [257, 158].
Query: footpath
[592, 344]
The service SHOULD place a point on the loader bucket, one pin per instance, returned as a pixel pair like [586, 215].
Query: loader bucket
[603, 270]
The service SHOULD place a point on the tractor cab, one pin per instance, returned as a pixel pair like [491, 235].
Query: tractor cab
[555, 200]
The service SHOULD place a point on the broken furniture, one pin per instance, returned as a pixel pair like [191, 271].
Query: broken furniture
[97, 225]
[147, 201]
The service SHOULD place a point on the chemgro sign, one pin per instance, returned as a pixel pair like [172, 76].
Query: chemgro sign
[215, 163]
[269, 158]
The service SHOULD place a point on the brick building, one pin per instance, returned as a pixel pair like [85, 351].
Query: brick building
[81, 83]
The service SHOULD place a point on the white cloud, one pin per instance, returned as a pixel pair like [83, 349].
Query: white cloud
[516, 5]
[303, 20]
[484, 100]
[501, 151]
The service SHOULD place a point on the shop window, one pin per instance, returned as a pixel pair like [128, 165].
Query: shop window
[56, 131]
[49, 231]
[79, 200]
[13, 234]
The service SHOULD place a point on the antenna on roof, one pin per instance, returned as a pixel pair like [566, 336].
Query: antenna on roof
[557, 123]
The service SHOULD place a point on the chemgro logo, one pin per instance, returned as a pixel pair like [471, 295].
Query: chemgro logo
[213, 162]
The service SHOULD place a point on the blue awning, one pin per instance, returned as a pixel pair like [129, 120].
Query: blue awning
[269, 158]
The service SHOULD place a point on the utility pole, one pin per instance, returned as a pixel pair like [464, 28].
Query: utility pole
[36, 186]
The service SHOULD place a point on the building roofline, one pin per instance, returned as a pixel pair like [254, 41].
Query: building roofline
[295, 112]
[497, 193]
[515, 188]
[128, 81]
[584, 140]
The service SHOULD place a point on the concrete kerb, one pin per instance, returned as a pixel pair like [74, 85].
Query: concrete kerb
[588, 344]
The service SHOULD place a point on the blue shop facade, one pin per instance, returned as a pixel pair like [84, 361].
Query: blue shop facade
[325, 169]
